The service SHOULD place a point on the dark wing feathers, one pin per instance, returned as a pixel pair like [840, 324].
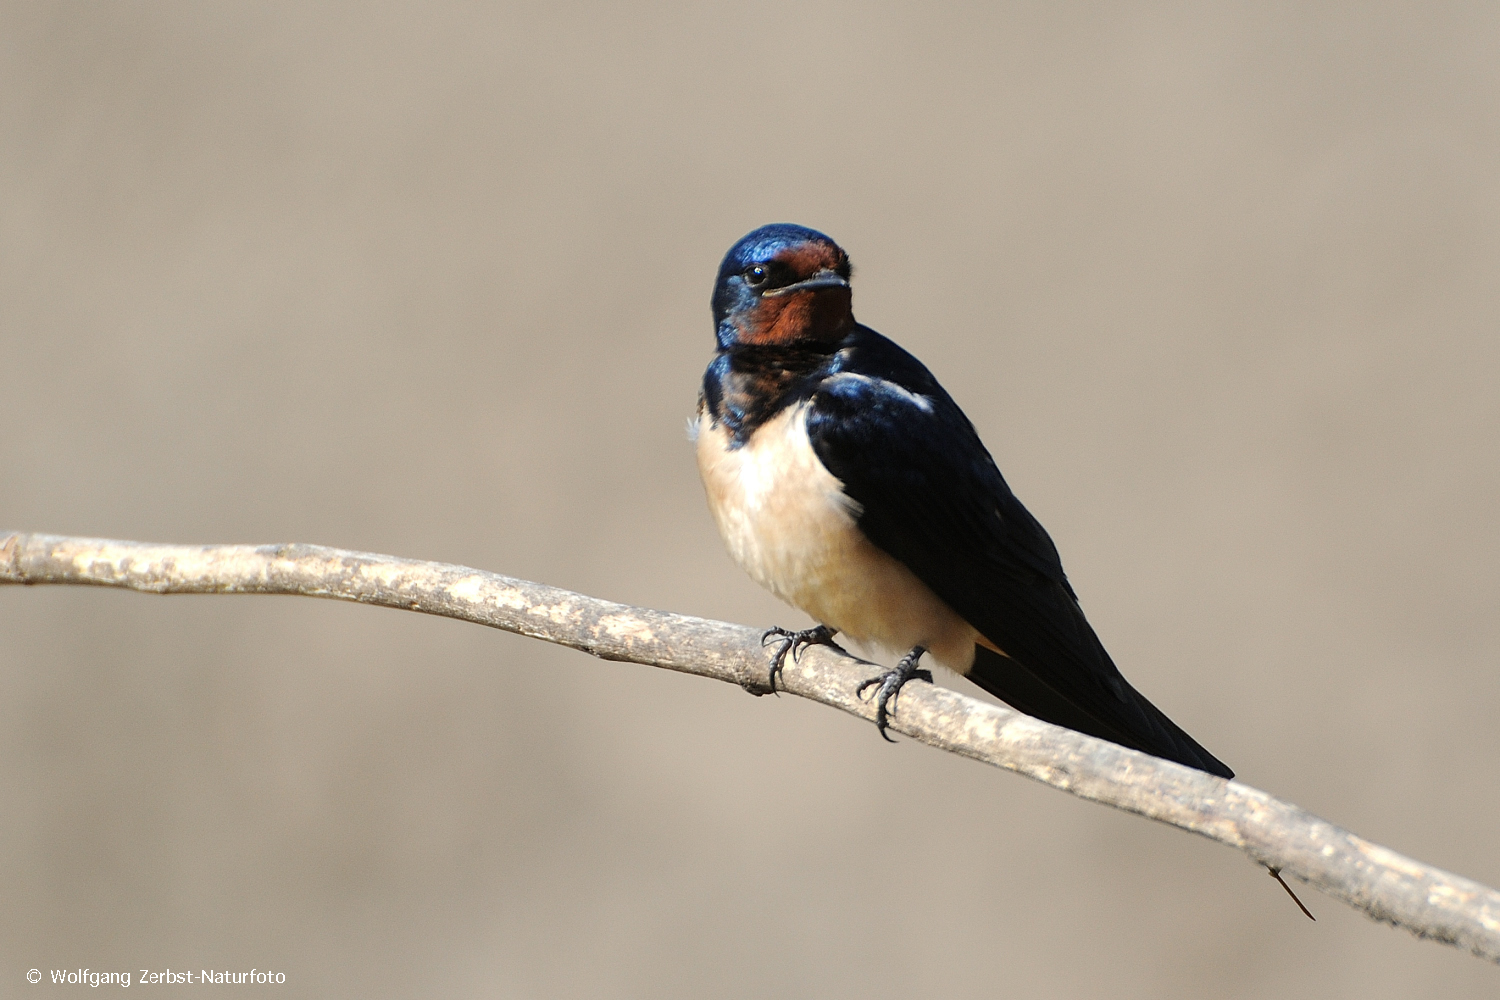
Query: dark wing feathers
[931, 496]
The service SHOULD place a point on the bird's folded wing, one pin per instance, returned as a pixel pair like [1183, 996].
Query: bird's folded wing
[930, 495]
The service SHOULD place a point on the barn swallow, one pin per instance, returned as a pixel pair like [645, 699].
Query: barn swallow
[846, 481]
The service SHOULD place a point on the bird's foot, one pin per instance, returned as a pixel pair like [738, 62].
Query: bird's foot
[794, 643]
[890, 685]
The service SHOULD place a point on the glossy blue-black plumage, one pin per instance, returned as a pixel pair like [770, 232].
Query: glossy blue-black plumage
[930, 495]
[925, 488]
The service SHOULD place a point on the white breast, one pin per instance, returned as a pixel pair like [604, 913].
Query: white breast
[788, 523]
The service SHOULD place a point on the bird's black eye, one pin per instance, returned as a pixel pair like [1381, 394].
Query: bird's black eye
[757, 275]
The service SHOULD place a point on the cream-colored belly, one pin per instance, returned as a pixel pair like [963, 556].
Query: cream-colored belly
[787, 522]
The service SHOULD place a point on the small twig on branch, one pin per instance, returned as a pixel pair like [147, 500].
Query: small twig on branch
[1385, 885]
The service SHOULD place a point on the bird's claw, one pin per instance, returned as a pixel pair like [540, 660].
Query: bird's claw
[794, 643]
[890, 685]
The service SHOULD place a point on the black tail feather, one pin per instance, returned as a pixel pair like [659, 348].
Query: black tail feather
[1140, 726]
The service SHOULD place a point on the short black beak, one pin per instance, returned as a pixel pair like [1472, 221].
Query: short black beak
[823, 279]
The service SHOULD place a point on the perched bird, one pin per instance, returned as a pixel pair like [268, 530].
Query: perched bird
[847, 482]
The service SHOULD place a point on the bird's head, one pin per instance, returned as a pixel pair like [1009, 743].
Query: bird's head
[783, 285]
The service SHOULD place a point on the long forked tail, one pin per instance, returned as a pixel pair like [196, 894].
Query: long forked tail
[1139, 724]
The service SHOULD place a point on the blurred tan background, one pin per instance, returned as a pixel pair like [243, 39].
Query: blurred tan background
[1218, 285]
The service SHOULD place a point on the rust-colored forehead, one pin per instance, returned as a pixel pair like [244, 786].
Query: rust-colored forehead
[807, 259]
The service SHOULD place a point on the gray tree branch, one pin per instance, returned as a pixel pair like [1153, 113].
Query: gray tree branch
[1387, 886]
